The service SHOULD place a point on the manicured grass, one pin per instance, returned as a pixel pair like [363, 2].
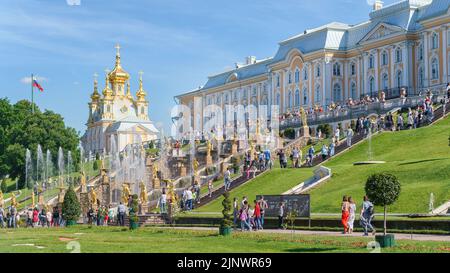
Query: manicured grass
[120, 240]
[420, 158]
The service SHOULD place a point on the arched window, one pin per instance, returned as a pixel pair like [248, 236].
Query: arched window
[290, 77]
[142, 110]
[278, 99]
[290, 99]
[435, 69]
[305, 74]
[317, 94]
[398, 55]
[371, 61]
[336, 92]
[353, 69]
[384, 58]
[353, 90]
[318, 71]
[434, 41]
[297, 97]
[421, 77]
[336, 69]
[305, 96]
[385, 80]
[371, 85]
[420, 53]
[108, 108]
[297, 76]
[399, 78]
[278, 80]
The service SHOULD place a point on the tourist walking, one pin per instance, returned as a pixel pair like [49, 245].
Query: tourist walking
[257, 215]
[351, 217]
[349, 136]
[49, 218]
[210, 187]
[12, 216]
[331, 149]
[189, 199]
[227, 179]
[367, 212]
[35, 217]
[324, 152]
[2, 215]
[345, 213]
[400, 122]
[197, 192]
[30, 217]
[243, 216]
[311, 152]
[162, 202]
[263, 206]
[56, 216]
[282, 158]
[268, 160]
[280, 215]
[111, 214]
[121, 210]
[295, 157]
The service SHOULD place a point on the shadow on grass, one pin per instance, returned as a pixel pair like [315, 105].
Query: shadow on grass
[423, 161]
[313, 249]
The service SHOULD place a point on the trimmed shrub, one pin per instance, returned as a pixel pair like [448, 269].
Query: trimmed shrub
[71, 206]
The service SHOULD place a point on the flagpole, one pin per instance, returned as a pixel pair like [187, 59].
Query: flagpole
[32, 95]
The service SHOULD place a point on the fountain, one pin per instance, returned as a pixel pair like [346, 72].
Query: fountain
[369, 149]
[61, 175]
[28, 170]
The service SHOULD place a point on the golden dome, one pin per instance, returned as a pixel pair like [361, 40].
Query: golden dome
[140, 95]
[107, 92]
[95, 95]
[118, 74]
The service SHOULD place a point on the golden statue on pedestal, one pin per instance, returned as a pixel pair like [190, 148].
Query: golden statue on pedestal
[143, 194]
[125, 193]
[154, 171]
[13, 200]
[195, 165]
[171, 192]
[303, 117]
[83, 180]
[208, 148]
[93, 197]
[33, 201]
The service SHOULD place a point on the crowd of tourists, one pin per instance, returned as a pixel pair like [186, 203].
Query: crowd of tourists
[250, 217]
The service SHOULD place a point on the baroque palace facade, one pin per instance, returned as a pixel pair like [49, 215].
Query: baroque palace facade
[403, 45]
[117, 114]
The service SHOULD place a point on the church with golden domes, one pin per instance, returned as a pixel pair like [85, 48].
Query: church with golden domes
[116, 114]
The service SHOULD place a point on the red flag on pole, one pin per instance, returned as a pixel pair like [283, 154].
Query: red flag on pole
[37, 85]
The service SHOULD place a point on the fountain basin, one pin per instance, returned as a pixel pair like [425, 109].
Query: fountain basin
[368, 162]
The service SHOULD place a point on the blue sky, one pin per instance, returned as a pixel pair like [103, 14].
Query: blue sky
[176, 43]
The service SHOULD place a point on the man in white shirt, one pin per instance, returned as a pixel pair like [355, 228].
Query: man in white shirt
[227, 179]
[189, 199]
[349, 136]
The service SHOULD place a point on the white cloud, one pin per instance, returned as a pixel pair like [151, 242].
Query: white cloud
[27, 80]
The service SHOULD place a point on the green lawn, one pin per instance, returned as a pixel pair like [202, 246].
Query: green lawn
[121, 240]
[420, 158]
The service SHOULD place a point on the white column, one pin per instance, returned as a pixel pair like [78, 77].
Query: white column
[375, 54]
[310, 79]
[444, 55]
[426, 61]
[346, 73]
[365, 73]
[405, 60]
[392, 62]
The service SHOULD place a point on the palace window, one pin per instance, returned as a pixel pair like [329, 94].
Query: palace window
[297, 97]
[317, 95]
[421, 77]
[336, 69]
[353, 69]
[318, 71]
[434, 40]
[398, 55]
[297, 76]
[353, 90]
[385, 81]
[420, 53]
[278, 99]
[371, 61]
[371, 85]
[108, 108]
[384, 58]
[434, 69]
[142, 110]
[305, 74]
[305, 96]
[290, 99]
[278, 80]
[290, 78]
[399, 78]
[337, 92]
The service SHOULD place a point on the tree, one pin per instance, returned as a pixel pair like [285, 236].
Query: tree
[226, 221]
[95, 165]
[325, 129]
[71, 206]
[383, 189]
[134, 209]
[4, 186]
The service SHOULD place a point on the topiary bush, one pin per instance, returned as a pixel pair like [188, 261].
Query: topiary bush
[383, 189]
[134, 209]
[289, 133]
[226, 221]
[325, 129]
[71, 209]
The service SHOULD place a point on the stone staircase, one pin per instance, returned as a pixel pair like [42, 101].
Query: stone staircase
[145, 220]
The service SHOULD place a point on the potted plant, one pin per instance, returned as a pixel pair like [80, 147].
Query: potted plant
[134, 209]
[71, 207]
[383, 189]
[226, 223]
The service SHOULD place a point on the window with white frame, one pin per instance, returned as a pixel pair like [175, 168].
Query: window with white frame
[318, 70]
[290, 77]
[371, 61]
[385, 80]
[278, 80]
[317, 94]
[305, 73]
[336, 69]
[352, 69]
[305, 96]
[399, 78]
[398, 55]
[290, 99]
[337, 92]
[297, 97]
[434, 40]
[420, 53]
[384, 58]
[353, 90]
[371, 85]
[421, 77]
[297, 75]
[435, 69]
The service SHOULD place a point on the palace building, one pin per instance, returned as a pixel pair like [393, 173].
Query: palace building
[403, 45]
[117, 114]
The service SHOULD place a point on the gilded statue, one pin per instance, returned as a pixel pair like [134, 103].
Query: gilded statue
[208, 147]
[154, 171]
[195, 165]
[125, 193]
[13, 200]
[93, 196]
[33, 201]
[143, 194]
[303, 117]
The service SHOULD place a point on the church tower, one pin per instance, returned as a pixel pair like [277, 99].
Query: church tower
[93, 105]
[108, 101]
[118, 77]
[141, 101]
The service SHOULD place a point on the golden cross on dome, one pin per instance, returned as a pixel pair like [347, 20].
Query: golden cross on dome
[118, 48]
[95, 76]
[140, 74]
